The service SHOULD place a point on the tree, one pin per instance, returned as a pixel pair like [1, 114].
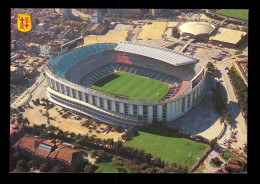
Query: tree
[72, 135]
[16, 156]
[36, 163]
[213, 143]
[88, 168]
[44, 135]
[175, 32]
[19, 170]
[22, 163]
[227, 118]
[44, 167]
[118, 128]
[47, 114]
[30, 164]
[57, 169]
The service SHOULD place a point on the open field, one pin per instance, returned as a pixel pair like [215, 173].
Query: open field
[170, 149]
[108, 166]
[152, 31]
[227, 155]
[132, 85]
[112, 36]
[237, 13]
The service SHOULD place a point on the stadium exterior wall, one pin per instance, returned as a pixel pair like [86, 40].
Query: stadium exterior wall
[118, 111]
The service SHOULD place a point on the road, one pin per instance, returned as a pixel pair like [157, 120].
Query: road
[24, 95]
[208, 167]
[238, 121]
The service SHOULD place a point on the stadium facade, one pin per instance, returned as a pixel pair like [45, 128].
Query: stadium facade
[182, 72]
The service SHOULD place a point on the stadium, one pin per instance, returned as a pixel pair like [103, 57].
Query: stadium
[125, 83]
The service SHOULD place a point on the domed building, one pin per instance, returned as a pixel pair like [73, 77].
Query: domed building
[196, 30]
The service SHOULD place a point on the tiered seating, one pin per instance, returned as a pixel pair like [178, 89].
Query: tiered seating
[184, 87]
[68, 59]
[83, 67]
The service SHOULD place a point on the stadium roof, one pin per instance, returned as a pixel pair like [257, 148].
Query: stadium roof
[228, 35]
[197, 28]
[162, 54]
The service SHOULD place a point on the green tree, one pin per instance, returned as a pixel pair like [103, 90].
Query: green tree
[44, 167]
[22, 163]
[30, 164]
[88, 168]
[175, 32]
[227, 118]
[72, 135]
[57, 169]
[213, 143]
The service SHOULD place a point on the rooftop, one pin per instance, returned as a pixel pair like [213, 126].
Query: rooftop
[228, 35]
[158, 53]
[197, 28]
[14, 128]
[44, 148]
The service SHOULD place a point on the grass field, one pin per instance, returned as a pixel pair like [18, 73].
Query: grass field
[170, 149]
[238, 13]
[227, 155]
[131, 85]
[108, 167]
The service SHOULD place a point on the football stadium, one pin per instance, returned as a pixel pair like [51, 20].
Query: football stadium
[125, 83]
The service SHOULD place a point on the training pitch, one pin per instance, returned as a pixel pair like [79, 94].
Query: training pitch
[237, 13]
[170, 149]
[132, 86]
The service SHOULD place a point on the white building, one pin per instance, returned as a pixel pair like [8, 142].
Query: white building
[96, 17]
[45, 50]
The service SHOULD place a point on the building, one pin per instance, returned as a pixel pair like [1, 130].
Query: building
[66, 13]
[16, 132]
[196, 30]
[235, 165]
[33, 48]
[227, 37]
[186, 78]
[124, 11]
[97, 29]
[45, 50]
[41, 27]
[96, 17]
[52, 152]
[155, 12]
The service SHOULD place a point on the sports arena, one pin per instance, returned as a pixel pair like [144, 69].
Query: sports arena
[125, 83]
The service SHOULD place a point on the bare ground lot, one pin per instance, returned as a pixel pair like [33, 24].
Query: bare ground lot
[69, 124]
[112, 36]
[152, 31]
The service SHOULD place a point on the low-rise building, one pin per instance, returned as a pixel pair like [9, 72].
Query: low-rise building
[97, 29]
[41, 27]
[45, 50]
[227, 37]
[235, 165]
[52, 152]
[16, 132]
[33, 48]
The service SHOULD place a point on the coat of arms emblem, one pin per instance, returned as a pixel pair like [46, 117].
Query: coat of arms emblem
[24, 22]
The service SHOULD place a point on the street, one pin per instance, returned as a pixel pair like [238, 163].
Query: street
[238, 121]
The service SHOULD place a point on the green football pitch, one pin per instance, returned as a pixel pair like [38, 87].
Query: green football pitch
[170, 149]
[237, 13]
[133, 86]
